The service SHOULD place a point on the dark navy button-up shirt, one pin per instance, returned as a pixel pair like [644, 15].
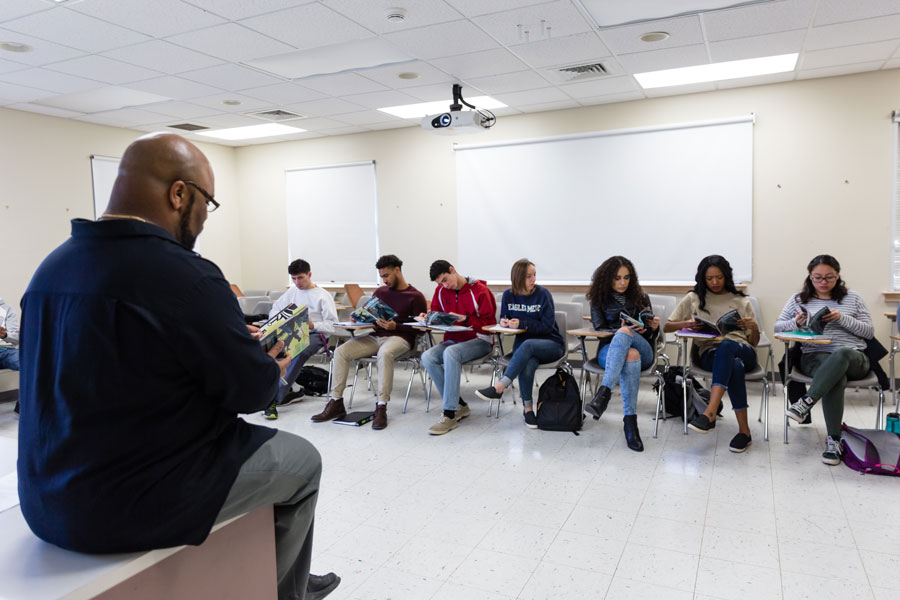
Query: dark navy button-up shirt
[135, 364]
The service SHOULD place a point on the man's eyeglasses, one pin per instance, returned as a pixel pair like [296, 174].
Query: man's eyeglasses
[820, 279]
[211, 204]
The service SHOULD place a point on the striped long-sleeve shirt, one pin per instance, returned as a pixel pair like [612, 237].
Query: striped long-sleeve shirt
[851, 330]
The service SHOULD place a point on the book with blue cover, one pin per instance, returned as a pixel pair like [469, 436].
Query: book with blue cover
[372, 310]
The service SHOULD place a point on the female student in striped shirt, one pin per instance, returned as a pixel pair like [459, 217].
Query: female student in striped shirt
[848, 324]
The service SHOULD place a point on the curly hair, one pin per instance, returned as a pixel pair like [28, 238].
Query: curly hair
[600, 292]
[713, 260]
[809, 291]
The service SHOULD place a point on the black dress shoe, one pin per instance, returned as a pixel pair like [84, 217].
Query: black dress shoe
[597, 406]
[320, 586]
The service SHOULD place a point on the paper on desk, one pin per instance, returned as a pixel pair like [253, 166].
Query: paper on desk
[9, 491]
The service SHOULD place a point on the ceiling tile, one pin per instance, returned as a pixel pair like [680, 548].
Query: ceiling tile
[324, 108]
[20, 93]
[894, 63]
[20, 8]
[537, 96]
[231, 42]
[445, 39]
[341, 84]
[241, 9]
[103, 69]
[225, 121]
[381, 99]
[128, 117]
[392, 125]
[388, 75]
[7, 66]
[856, 32]
[248, 103]
[163, 57]
[344, 130]
[757, 19]
[365, 117]
[76, 30]
[510, 82]
[548, 106]
[372, 14]
[308, 26]
[433, 93]
[600, 87]
[283, 93]
[44, 52]
[785, 42]
[315, 123]
[611, 98]
[44, 110]
[760, 80]
[683, 31]
[173, 87]
[181, 110]
[571, 50]
[102, 99]
[847, 55]
[52, 81]
[472, 8]
[840, 70]
[158, 18]
[480, 64]
[231, 77]
[671, 58]
[520, 25]
[835, 11]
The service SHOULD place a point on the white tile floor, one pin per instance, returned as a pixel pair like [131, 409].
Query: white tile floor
[495, 511]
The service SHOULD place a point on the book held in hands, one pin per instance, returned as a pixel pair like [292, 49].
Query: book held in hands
[372, 310]
[291, 326]
[725, 324]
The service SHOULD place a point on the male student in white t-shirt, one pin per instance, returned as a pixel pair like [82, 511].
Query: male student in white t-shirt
[322, 315]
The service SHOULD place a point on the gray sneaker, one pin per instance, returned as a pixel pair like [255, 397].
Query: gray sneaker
[799, 410]
[445, 425]
[462, 412]
[833, 451]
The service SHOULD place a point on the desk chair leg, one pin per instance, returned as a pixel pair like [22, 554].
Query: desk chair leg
[353, 387]
[330, 371]
[409, 386]
[428, 395]
[369, 377]
[879, 414]
[684, 381]
[584, 377]
[659, 407]
[786, 405]
[765, 406]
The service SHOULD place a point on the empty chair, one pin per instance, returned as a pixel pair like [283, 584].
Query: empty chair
[275, 294]
[248, 303]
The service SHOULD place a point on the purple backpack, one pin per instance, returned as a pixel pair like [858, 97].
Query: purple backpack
[871, 450]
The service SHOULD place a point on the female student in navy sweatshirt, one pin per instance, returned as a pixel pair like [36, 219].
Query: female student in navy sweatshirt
[615, 290]
[527, 306]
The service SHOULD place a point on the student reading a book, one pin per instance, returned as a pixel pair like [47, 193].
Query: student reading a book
[472, 301]
[390, 340]
[848, 325]
[9, 339]
[714, 296]
[615, 293]
[322, 315]
[526, 305]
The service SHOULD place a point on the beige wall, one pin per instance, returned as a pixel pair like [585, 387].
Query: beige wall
[822, 183]
[45, 181]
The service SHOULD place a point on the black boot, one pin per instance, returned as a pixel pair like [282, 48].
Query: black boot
[599, 402]
[632, 435]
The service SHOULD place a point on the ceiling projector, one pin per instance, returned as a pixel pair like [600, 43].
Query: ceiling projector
[458, 121]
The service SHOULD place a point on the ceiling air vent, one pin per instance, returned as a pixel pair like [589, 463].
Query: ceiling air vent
[581, 72]
[277, 115]
[188, 127]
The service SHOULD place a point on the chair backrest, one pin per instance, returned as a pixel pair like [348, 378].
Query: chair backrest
[354, 293]
[663, 307]
[276, 294]
[585, 305]
[573, 320]
[256, 292]
[248, 303]
[561, 319]
[236, 290]
[263, 306]
[763, 338]
[497, 297]
[361, 300]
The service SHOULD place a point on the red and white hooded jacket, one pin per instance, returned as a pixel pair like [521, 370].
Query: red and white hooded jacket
[474, 300]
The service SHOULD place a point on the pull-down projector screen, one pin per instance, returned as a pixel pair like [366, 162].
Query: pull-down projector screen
[663, 197]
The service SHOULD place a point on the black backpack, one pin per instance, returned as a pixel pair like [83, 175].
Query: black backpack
[673, 399]
[314, 380]
[559, 403]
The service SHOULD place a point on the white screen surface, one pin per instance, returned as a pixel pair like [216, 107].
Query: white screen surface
[103, 174]
[332, 220]
[663, 197]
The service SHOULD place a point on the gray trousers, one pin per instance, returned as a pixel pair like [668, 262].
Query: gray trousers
[830, 372]
[284, 472]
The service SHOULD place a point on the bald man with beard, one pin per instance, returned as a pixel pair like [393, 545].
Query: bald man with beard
[135, 365]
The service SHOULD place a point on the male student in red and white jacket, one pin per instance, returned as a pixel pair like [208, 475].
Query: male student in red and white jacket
[473, 302]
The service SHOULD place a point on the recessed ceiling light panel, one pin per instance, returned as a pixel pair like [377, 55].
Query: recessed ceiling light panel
[417, 111]
[723, 71]
[251, 132]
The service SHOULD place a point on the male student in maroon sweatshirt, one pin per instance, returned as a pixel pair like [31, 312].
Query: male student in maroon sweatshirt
[473, 302]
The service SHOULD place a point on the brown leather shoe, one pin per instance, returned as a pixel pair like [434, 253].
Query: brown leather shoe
[333, 410]
[380, 420]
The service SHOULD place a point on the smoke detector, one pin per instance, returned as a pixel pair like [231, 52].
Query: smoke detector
[395, 15]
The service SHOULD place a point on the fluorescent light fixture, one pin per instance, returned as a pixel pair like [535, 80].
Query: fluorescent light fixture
[251, 132]
[417, 111]
[734, 69]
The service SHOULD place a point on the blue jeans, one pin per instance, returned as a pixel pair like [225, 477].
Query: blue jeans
[729, 361]
[612, 358]
[9, 358]
[525, 360]
[444, 365]
[293, 370]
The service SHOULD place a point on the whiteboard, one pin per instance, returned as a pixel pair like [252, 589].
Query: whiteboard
[664, 197]
[104, 170]
[332, 220]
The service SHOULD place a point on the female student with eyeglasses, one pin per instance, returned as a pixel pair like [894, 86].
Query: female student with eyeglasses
[848, 325]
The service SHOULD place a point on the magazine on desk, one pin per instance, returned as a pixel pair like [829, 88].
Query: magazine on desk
[725, 324]
[291, 326]
[373, 310]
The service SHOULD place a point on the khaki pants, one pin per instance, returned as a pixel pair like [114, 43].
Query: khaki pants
[387, 349]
